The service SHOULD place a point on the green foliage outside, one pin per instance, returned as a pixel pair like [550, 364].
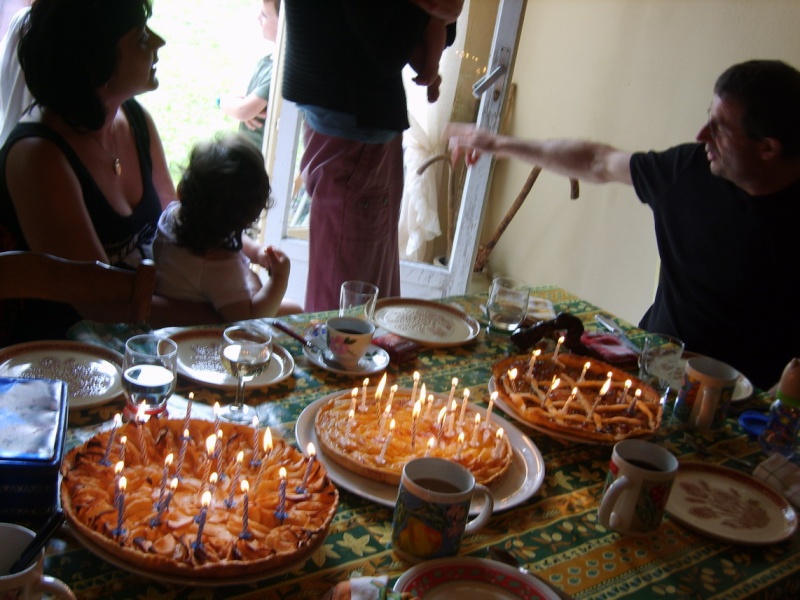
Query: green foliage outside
[212, 48]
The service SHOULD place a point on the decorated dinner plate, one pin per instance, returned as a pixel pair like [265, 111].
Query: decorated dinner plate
[564, 436]
[729, 506]
[198, 360]
[742, 391]
[523, 480]
[473, 578]
[93, 374]
[374, 361]
[429, 323]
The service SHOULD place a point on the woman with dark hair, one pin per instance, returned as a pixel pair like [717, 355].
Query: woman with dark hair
[85, 176]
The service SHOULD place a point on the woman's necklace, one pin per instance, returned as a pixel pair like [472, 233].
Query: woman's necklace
[115, 164]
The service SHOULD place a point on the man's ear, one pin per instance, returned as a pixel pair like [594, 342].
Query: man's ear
[770, 148]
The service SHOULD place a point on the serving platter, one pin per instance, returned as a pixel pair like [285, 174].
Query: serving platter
[198, 360]
[93, 374]
[473, 578]
[521, 482]
[729, 506]
[428, 323]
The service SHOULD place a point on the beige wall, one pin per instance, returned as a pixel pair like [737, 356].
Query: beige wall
[637, 74]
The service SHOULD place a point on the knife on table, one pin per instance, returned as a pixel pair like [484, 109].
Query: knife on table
[616, 330]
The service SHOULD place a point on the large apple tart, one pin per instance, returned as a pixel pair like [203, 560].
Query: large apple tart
[207, 528]
[355, 431]
[579, 396]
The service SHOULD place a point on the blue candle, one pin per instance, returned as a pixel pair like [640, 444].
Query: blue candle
[117, 422]
[120, 501]
[163, 506]
[245, 535]
[312, 456]
[201, 519]
[280, 512]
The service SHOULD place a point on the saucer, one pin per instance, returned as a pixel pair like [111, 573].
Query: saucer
[375, 360]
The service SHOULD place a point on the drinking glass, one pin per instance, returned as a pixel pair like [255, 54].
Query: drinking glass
[357, 299]
[660, 361]
[245, 353]
[508, 304]
[149, 374]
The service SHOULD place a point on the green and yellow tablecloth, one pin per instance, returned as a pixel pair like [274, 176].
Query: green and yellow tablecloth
[555, 533]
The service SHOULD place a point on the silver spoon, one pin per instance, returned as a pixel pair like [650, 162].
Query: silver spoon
[504, 556]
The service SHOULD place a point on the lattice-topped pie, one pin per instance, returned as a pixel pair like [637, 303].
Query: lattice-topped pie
[278, 528]
[355, 432]
[577, 395]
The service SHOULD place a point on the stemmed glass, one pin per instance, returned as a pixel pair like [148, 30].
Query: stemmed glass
[245, 353]
[149, 374]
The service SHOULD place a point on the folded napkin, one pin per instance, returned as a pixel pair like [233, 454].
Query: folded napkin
[364, 588]
[780, 473]
[607, 347]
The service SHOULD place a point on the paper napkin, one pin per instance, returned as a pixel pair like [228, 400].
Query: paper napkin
[781, 474]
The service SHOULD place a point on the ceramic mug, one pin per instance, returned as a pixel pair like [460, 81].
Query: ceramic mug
[640, 477]
[432, 509]
[31, 582]
[705, 393]
[348, 339]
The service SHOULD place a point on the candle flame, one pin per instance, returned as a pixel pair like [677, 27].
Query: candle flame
[606, 386]
[416, 375]
[212, 479]
[466, 393]
[461, 435]
[245, 487]
[381, 385]
[391, 425]
[512, 374]
[216, 408]
[431, 442]
[140, 414]
[310, 449]
[561, 339]
[493, 396]
[477, 418]
[422, 393]
[637, 394]
[267, 441]
[173, 485]
[440, 416]
[219, 435]
[205, 499]
[118, 467]
[240, 456]
[117, 420]
[191, 395]
[351, 414]
[455, 381]
[499, 434]
[168, 460]
[123, 483]
[537, 352]
[211, 442]
[123, 440]
[186, 434]
[354, 393]
[255, 421]
[417, 409]
[282, 473]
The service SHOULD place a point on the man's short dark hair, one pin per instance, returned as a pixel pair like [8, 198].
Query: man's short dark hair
[769, 92]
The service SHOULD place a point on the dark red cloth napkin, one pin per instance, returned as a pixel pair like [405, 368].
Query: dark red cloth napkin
[607, 347]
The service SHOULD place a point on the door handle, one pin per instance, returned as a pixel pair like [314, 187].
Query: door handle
[483, 84]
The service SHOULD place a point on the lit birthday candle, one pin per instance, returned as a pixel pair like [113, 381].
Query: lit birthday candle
[553, 385]
[414, 387]
[188, 416]
[431, 444]
[474, 440]
[463, 407]
[164, 506]
[216, 418]
[381, 456]
[312, 456]
[212, 480]
[451, 418]
[492, 398]
[141, 419]
[117, 474]
[245, 535]
[512, 376]
[237, 473]
[267, 442]
[414, 418]
[453, 384]
[569, 401]
[164, 476]
[363, 406]
[460, 443]
[120, 501]
[532, 362]
[586, 366]
[428, 404]
[379, 394]
[254, 461]
[351, 420]
[280, 512]
[200, 519]
[626, 388]
[211, 443]
[392, 391]
[117, 422]
[440, 424]
[218, 452]
[558, 347]
[498, 443]
[182, 453]
[353, 399]
[123, 442]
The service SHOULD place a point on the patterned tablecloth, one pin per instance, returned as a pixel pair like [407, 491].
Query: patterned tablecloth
[555, 532]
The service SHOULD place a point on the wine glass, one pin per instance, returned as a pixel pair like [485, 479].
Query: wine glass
[149, 374]
[245, 353]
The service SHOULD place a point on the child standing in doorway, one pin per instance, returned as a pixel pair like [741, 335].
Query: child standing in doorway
[251, 109]
[201, 250]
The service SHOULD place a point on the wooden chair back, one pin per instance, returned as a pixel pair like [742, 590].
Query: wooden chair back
[45, 277]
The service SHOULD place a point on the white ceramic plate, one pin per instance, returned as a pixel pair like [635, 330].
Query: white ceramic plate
[511, 411]
[429, 323]
[93, 373]
[180, 580]
[473, 578]
[522, 480]
[742, 391]
[374, 361]
[729, 505]
[198, 360]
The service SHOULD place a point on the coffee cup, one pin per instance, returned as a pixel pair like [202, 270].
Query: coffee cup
[348, 339]
[432, 509]
[639, 480]
[705, 394]
[30, 582]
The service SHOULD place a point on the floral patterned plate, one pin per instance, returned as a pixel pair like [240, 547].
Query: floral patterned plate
[473, 578]
[729, 506]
